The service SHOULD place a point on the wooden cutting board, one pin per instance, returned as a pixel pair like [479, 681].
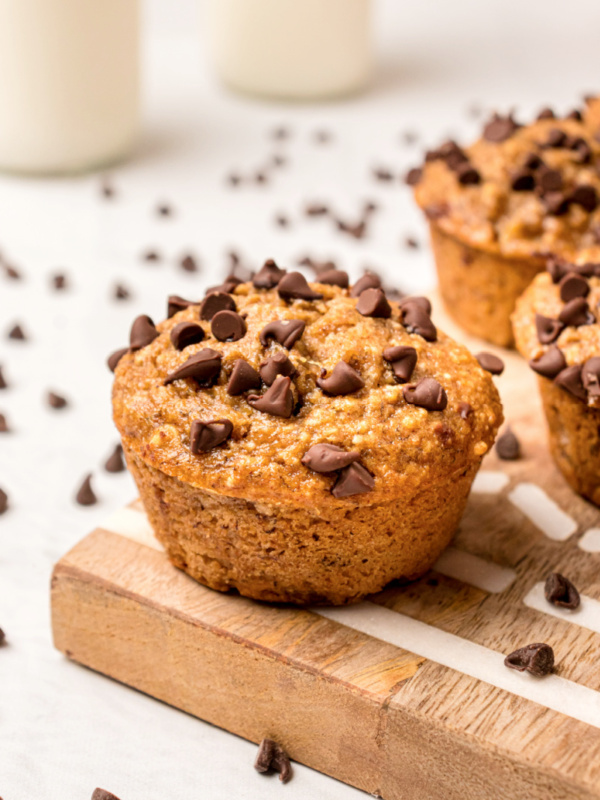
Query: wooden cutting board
[406, 695]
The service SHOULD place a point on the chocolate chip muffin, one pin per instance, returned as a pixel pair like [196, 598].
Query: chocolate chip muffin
[303, 443]
[499, 208]
[556, 328]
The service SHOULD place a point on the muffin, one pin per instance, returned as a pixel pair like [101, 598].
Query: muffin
[302, 443]
[499, 208]
[556, 328]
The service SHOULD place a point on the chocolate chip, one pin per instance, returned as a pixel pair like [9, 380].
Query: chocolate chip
[233, 179]
[548, 180]
[556, 138]
[268, 275]
[279, 364]
[586, 197]
[56, 400]
[411, 243]
[322, 137]
[557, 269]
[532, 161]
[538, 659]
[243, 378]
[373, 303]
[576, 313]
[582, 150]
[559, 591]
[467, 175]
[403, 360]
[550, 363]
[368, 281]
[427, 393]
[3, 383]
[115, 357]
[102, 794]
[416, 320]
[151, 256]
[186, 333]
[176, 304]
[574, 114]
[188, 263]
[522, 181]
[3, 501]
[334, 277]
[278, 400]
[547, 329]
[59, 281]
[228, 326]
[572, 286]
[498, 129]
[508, 447]
[120, 292]
[282, 221]
[273, 756]
[4, 426]
[556, 203]
[227, 287]
[316, 210]
[164, 210]
[107, 189]
[143, 333]
[325, 458]
[294, 286]
[205, 436]
[546, 113]
[342, 381]
[413, 176]
[416, 300]
[286, 332]
[115, 462]
[85, 494]
[570, 380]
[215, 302]
[353, 479]
[590, 376]
[465, 410]
[382, 174]
[490, 363]
[203, 367]
[358, 229]
[17, 332]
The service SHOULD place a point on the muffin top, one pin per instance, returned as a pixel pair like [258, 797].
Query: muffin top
[315, 394]
[556, 327]
[520, 190]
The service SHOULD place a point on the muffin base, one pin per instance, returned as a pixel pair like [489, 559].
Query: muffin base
[574, 433]
[277, 553]
[480, 289]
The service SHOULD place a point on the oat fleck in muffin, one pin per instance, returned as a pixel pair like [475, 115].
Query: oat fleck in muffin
[298, 442]
[556, 328]
[498, 208]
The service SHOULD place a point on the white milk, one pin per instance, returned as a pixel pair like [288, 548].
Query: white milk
[69, 77]
[292, 49]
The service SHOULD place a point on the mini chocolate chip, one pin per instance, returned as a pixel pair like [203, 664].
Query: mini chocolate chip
[164, 210]
[382, 174]
[286, 332]
[227, 287]
[546, 113]
[278, 400]
[85, 494]
[203, 367]
[17, 332]
[176, 303]
[416, 320]
[151, 256]
[570, 380]
[416, 300]
[102, 794]
[373, 303]
[215, 302]
[121, 292]
[358, 230]
[205, 436]
[115, 357]
[559, 591]
[334, 277]
[574, 114]
[3, 383]
[143, 332]
[3, 501]
[316, 210]
[532, 161]
[538, 659]
[233, 179]
[325, 458]
[498, 129]
[59, 281]
[12, 272]
[556, 138]
[465, 410]
[279, 364]
[368, 281]
[228, 326]
[115, 463]
[268, 275]
[557, 269]
[343, 380]
[427, 393]
[413, 176]
[403, 360]
[586, 197]
[282, 220]
[508, 447]
[556, 203]
[411, 243]
[490, 363]
[4, 426]
[468, 175]
[353, 479]
[243, 378]
[522, 181]
[294, 286]
[548, 180]
[550, 363]
[272, 756]
[572, 286]
[576, 313]
[189, 263]
[582, 150]
[186, 333]
[590, 376]
[548, 330]
[107, 189]
[56, 400]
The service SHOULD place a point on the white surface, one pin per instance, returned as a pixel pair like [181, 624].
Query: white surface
[489, 481]
[63, 729]
[590, 541]
[543, 511]
[466, 567]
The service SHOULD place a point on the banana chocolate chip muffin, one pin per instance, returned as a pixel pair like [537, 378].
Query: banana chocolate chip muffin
[556, 327]
[498, 208]
[304, 443]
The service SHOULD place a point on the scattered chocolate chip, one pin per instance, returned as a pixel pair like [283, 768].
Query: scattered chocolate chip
[382, 174]
[416, 320]
[325, 458]
[294, 286]
[279, 364]
[273, 756]
[3, 501]
[574, 114]
[115, 462]
[143, 332]
[12, 272]
[85, 494]
[4, 426]
[490, 363]
[280, 133]
[268, 275]
[151, 256]
[316, 210]
[576, 313]
[559, 591]
[403, 360]
[342, 381]
[427, 393]
[56, 400]
[590, 376]
[368, 281]
[373, 303]
[278, 160]
[176, 303]
[233, 179]
[282, 221]
[186, 333]
[3, 383]
[548, 330]
[278, 400]
[570, 380]
[537, 659]
[205, 436]
[498, 129]
[260, 177]
[164, 210]
[203, 367]
[353, 479]
[411, 243]
[115, 357]
[586, 197]
[572, 286]
[550, 363]
[334, 277]
[228, 287]
[467, 175]
[188, 263]
[508, 447]
[548, 180]
[228, 326]
[464, 410]
[357, 230]
[59, 281]
[243, 378]
[102, 794]
[546, 113]
[555, 203]
[107, 190]
[413, 176]
[120, 292]
[556, 138]
[17, 332]
[286, 332]
[215, 302]
[557, 269]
